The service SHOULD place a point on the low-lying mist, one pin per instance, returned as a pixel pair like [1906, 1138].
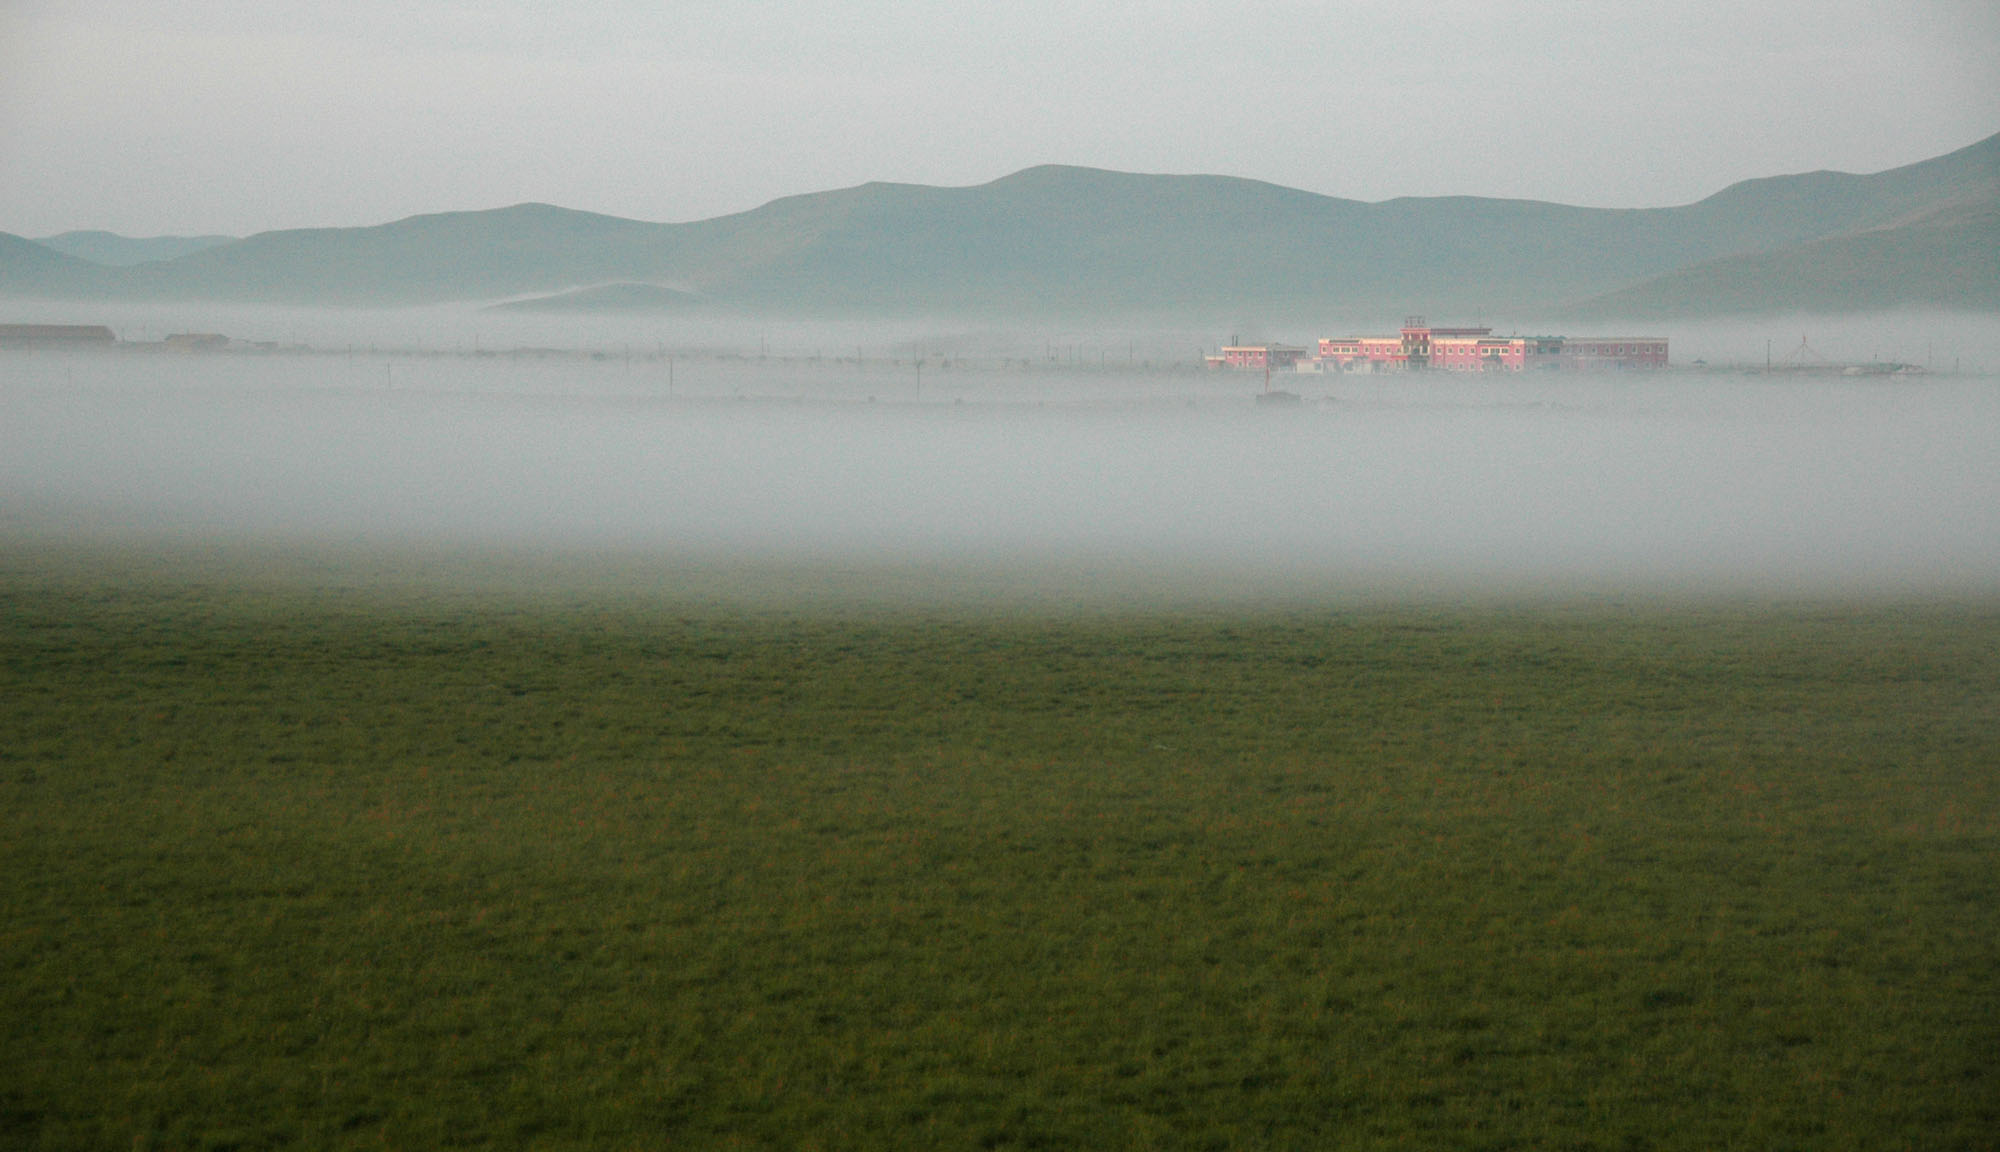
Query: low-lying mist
[1678, 482]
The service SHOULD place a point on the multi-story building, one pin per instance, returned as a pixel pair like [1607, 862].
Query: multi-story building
[1388, 351]
[1477, 350]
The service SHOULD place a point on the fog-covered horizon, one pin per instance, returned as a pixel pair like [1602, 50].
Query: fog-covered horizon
[1941, 341]
[1681, 482]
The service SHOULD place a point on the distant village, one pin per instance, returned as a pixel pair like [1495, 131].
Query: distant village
[1422, 347]
[1419, 346]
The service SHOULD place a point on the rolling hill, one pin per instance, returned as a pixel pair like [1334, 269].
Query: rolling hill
[609, 298]
[117, 251]
[1948, 257]
[1062, 239]
[29, 269]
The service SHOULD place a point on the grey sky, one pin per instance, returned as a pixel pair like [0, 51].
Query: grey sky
[236, 115]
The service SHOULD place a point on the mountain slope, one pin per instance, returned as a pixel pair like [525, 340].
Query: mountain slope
[1780, 211]
[30, 270]
[1060, 239]
[113, 250]
[608, 298]
[1063, 238]
[447, 256]
[1945, 258]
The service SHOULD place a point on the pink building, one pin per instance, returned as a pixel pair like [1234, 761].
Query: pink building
[1482, 353]
[1368, 353]
[1422, 346]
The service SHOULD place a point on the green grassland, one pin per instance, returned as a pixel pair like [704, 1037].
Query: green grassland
[286, 868]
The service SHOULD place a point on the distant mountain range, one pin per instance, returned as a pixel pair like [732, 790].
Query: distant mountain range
[125, 251]
[1061, 240]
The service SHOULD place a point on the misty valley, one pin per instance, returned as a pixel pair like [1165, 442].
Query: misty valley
[853, 736]
[1069, 576]
[1004, 450]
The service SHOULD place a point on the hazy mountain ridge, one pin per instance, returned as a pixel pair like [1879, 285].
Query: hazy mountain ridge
[113, 250]
[1948, 257]
[1055, 238]
[443, 256]
[1814, 205]
[29, 269]
[608, 298]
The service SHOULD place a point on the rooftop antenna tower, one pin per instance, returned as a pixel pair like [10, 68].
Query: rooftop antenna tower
[1805, 356]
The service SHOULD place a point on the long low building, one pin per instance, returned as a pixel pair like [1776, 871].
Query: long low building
[1421, 346]
[54, 335]
[1257, 357]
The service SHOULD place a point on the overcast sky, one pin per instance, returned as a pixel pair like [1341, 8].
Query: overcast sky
[235, 116]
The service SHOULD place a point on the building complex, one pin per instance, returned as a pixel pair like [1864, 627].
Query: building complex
[1421, 346]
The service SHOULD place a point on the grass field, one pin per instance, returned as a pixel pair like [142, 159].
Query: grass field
[281, 868]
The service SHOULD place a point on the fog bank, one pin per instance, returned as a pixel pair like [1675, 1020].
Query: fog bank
[1676, 482]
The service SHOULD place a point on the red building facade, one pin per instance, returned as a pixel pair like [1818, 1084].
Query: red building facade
[1421, 346]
